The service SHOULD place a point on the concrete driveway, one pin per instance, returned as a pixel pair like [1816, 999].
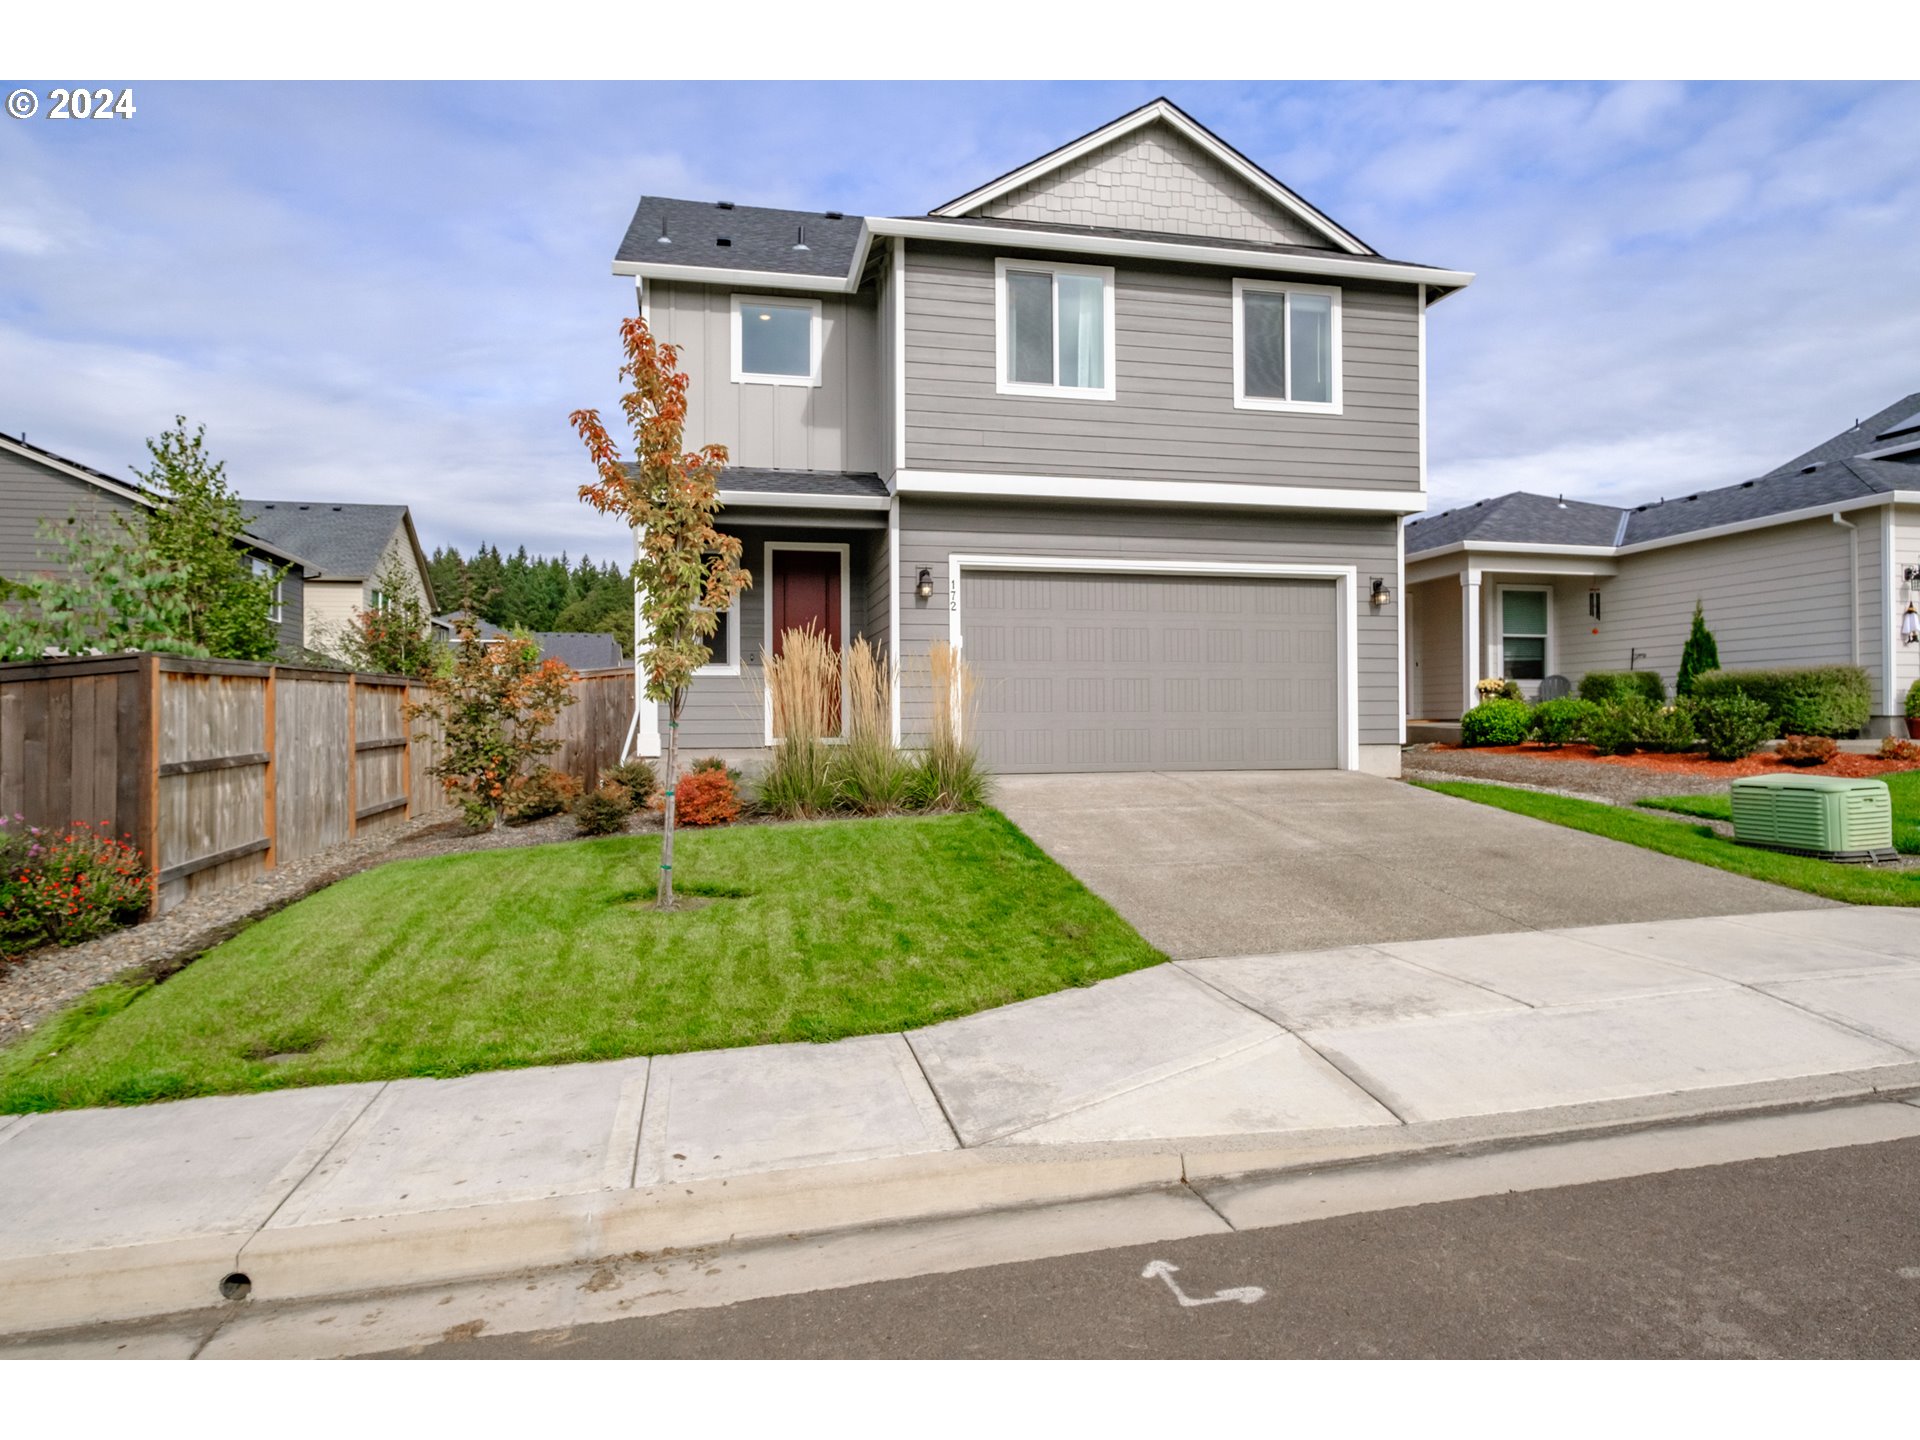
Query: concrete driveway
[1266, 862]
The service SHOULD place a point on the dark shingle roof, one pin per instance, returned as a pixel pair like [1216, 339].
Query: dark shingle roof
[1872, 433]
[748, 479]
[1775, 494]
[580, 649]
[1518, 518]
[759, 239]
[340, 542]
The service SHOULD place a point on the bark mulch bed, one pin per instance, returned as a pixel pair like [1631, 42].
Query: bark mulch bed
[1843, 765]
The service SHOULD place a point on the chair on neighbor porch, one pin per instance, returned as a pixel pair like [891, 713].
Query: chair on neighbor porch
[1555, 687]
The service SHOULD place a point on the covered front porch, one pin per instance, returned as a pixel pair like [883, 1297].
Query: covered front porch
[1472, 615]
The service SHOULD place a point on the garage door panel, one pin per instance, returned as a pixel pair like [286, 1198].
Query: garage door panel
[1128, 672]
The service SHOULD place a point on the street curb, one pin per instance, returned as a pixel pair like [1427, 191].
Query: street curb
[319, 1261]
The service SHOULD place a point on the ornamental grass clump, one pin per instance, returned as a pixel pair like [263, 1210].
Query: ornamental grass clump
[803, 690]
[60, 888]
[948, 774]
[870, 775]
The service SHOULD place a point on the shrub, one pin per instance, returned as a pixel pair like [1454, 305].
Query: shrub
[1813, 700]
[948, 774]
[1497, 689]
[1668, 728]
[1731, 725]
[1804, 750]
[803, 688]
[1913, 701]
[1894, 748]
[1495, 722]
[634, 776]
[1699, 655]
[1601, 686]
[869, 772]
[1559, 722]
[65, 888]
[706, 797]
[534, 797]
[1616, 726]
[603, 811]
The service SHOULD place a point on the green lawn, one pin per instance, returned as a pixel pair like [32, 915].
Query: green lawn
[1904, 785]
[1853, 884]
[538, 956]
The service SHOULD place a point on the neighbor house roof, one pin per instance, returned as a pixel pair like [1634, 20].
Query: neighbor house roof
[710, 235]
[1520, 518]
[1896, 426]
[579, 649]
[130, 493]
[340, 541]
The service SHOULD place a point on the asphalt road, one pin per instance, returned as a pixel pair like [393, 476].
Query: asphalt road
[1812, 1255]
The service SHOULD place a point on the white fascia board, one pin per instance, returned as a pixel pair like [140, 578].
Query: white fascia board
[1357, 268]
[1126, 125]
[1452, 561]
[1158, 492]
[787, 500]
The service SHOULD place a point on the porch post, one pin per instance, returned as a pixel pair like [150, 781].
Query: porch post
[1469, 636]
[643, 736]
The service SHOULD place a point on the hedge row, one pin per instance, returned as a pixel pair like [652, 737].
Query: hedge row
[1833, 700]
[1602, 686]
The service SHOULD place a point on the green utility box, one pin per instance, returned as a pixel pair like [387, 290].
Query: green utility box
[1847, 820]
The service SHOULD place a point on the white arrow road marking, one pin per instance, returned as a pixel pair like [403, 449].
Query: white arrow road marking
[1166, 1270]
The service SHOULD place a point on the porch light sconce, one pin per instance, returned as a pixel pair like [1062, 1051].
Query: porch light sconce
[924, 590]
[1912, 573]
[1379, 595]
[1910, 625]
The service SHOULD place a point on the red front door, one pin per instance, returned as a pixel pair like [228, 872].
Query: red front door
[806, 594]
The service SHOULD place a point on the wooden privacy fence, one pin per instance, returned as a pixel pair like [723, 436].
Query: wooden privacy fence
[220, 769]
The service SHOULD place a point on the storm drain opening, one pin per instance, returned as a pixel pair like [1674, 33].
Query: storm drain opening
[235, 1287]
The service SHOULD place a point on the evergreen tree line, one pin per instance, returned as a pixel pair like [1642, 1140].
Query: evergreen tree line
[536, 592]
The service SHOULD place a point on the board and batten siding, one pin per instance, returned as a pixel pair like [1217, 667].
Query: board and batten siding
[931, 532]
[1173, 417]
[830, 426]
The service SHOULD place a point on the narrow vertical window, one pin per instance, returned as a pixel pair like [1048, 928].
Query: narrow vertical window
[1030, 327]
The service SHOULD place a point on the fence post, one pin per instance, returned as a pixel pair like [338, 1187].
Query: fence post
[270, 737]
[150, 777]
[353, 762]
[406, 750]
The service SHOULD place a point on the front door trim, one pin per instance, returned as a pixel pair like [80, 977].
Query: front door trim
[845, 552]
[1345, 580]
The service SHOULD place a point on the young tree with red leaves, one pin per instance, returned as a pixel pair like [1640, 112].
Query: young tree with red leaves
[686, 572]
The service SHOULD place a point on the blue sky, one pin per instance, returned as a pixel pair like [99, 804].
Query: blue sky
[382, 291]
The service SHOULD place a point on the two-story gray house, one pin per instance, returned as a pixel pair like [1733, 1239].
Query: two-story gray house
[1133, 425]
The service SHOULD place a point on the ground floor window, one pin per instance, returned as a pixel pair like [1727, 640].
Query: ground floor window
[1523, 633]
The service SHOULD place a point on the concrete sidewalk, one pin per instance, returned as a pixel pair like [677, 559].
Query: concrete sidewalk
[1165, 1077]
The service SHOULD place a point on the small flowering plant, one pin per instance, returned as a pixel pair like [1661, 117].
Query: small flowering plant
[62, 887]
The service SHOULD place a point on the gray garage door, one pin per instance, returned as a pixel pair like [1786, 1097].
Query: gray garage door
[1082, 671]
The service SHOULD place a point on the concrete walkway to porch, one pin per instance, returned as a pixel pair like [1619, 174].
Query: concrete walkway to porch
[1176, 1076]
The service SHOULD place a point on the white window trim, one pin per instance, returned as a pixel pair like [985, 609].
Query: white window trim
[1001, 332]
[745, 377]
[1500, 629]
[845, 552]
[1244, 401]
[1345, 580]
[728, 664]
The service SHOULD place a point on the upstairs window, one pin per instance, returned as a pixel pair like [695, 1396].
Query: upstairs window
[776, 342]
[1054, 329]
[1286, 347]
[277, 607]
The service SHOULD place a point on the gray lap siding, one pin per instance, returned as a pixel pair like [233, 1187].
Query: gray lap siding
[931, 532]
[1174, 416]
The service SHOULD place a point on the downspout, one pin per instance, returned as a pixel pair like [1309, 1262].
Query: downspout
[1853, 572]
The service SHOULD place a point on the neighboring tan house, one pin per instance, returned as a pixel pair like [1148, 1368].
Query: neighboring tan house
[576, 649]
[36, 485]
[1134, 425]
[346, 548]
[1813, 563]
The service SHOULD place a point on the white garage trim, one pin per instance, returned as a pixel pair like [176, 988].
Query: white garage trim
[1345, 586]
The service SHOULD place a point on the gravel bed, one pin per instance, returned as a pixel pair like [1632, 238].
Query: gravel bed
[1586, 779]
[40, 983]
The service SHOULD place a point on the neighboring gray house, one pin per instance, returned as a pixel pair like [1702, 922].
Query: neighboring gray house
[346, 548]
[1134, 425]
[577, 649]
[1813, 563]
[36, 485]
